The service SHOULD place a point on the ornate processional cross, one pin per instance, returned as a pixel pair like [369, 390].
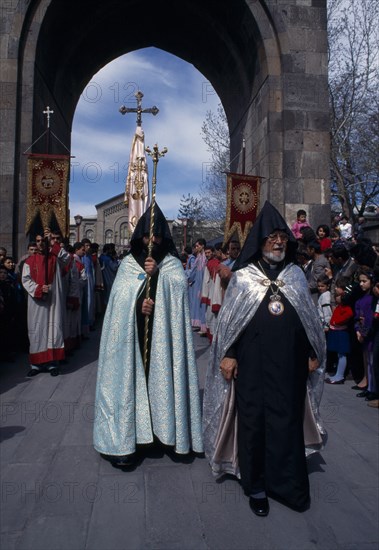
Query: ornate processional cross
[139, 95]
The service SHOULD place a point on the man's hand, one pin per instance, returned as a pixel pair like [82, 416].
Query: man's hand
[229, 368]
[313, 364]
[225, 274]
[150, 266]
[45, 289]
[147, 306]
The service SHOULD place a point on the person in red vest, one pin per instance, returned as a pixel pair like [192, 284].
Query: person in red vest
[42, 280]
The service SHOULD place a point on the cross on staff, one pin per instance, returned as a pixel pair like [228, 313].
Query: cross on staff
[139, 95]
[48, 112]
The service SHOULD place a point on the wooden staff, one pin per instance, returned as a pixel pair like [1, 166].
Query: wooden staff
[155, 154]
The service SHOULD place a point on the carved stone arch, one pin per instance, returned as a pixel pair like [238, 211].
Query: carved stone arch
[265, 59]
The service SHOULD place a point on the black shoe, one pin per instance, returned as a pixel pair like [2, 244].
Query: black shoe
[371, 396]
[32, 372]
[259, 506]
[363, 393]
[125, 461]
[356, 387]
[54, 371]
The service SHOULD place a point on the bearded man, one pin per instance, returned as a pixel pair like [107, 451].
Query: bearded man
[265, 377]
[140, 402]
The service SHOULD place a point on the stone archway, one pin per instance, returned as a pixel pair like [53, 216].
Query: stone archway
[267, 63]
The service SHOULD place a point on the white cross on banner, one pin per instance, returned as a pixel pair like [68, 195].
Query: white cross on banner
[137, 183]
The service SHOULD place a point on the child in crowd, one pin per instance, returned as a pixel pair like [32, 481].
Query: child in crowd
[323, 304]
[338, 338]
[323, 233]
[364, 317]
[301, 221]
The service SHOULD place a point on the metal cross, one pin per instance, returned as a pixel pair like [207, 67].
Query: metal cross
[139, 95]
[48, 113]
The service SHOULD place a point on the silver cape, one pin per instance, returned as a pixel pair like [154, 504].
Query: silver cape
[243, 296]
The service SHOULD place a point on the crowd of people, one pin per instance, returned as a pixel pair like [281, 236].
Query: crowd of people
[51, 298]
[341, 267]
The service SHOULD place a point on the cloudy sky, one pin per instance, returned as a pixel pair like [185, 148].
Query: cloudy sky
[102, 136]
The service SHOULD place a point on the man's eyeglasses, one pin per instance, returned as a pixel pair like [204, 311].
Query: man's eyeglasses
[276, 236]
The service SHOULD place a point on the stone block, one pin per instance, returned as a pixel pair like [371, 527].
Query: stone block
[13, 46]
[294, 62]
[6, 150]
[291, 164]
[293, 140]
[6, 214]
[4, 40]
[318, 121]
[293, 190]
[307, 40]
[8, 95]
[276, 193]
[314, 165]
[27, 129]
[275, 101]
[7, 124]
[275, 167]
[8, 70]
[305, 92]
[293, 120]
[317, 141]
[275, 141]
[316, 63]
[312, 191]
[306, 17]
[275, 122]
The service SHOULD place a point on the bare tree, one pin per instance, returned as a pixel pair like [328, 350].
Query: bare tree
[215, 134]
[354, 113]
[191, 213]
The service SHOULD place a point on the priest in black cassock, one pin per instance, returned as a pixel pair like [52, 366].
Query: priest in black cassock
[265, 378]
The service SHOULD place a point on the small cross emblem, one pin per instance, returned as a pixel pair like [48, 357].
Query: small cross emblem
[48, 112]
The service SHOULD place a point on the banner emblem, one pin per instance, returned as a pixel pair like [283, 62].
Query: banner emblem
[241, 206]
[47, 190]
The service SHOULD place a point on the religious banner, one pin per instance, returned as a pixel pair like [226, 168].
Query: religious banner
[242, 202]
[137, 185]
[47, 190]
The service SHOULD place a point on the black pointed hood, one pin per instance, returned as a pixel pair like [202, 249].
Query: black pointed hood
[269, 220]
[161, 229]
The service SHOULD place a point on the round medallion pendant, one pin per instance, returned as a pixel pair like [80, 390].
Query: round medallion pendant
[275, 307]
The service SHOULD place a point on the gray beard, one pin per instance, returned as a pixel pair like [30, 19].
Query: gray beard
[275, 258]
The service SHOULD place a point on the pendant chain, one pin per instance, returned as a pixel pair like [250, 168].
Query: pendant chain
[277, 283]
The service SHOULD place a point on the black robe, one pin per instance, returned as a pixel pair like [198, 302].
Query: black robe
[270, 402]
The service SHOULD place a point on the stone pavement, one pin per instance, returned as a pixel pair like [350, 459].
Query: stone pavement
[57, 493]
